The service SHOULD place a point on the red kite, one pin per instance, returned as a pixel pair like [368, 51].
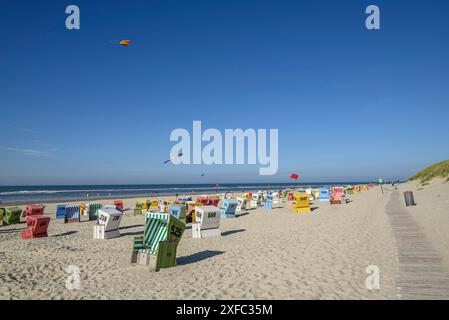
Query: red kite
[294, 176]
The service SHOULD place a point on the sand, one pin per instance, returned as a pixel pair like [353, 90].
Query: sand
[261, 255]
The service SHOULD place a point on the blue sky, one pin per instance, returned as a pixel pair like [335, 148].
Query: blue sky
[350, 104]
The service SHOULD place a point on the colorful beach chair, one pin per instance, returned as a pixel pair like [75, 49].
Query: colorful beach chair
[207, 223]
[118, 204]
[337, 193]
[36, 227]
[227, 208]
[241, 204]
[12, 215]
[60, 211]
[157, 247]
[138, 209]
[108, 224]
[72, 214]
[301, 203]
[93, 210]
[324, 195]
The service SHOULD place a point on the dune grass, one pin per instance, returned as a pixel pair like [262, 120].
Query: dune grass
[440, 169]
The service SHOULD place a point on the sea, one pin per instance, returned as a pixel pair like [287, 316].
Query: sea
[41, 194]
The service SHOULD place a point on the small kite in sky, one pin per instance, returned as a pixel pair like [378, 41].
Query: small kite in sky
[294, 176]
[202, 174]
[177, 156]
[124, 43]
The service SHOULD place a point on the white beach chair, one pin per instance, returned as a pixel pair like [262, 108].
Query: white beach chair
[207, 222]
[108, 224]
[241, 204]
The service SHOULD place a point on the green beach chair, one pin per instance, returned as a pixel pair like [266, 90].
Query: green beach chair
[93, 210]
[12, 215]
[138, 208]
[157, 246]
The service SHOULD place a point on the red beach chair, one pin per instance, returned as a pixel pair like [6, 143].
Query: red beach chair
[213, 201]
[37, 226]
[337, 192]
[118, 204]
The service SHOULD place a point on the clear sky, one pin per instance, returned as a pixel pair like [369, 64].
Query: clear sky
[349, 104]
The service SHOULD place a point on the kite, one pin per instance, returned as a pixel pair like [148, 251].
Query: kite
[177, 156]
[124, 43]
[294, 176]
[202, 174]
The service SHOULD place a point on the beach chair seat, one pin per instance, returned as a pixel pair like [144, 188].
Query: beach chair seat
[160, 229]
[12, 215]
[36, 227]
[301, 203]
[72, 214]
[108, 224]
[207, 222]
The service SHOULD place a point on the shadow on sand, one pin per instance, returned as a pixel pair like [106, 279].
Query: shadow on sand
[228, 233]
[196, 257]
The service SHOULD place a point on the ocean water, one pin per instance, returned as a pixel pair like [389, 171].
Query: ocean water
[39, 194]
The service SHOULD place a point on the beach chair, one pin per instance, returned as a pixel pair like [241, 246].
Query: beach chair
[108, 224]
[93, 210]
[337, 193]
[301, 203]
[241, 204]
[60, 211]
[190, 213]
[255, 200]
[324, 195]
[227, 208]
[138, 209]
[12, 215]
[145, 204]
[154, 204]
[2, 213]
[34, 210]
[276, 198]
[157, 247]
[36, 227]
[178, 211]
[118, 204]
[72, 214]
[207, 223]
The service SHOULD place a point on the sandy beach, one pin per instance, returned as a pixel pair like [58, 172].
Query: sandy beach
[261, 255]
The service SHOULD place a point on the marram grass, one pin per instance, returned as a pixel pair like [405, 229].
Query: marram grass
[440, 169]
